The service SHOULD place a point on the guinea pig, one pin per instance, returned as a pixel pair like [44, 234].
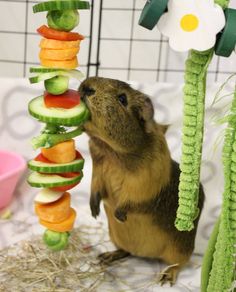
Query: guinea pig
[135, 177]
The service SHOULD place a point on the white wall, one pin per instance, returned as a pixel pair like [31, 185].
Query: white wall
[146, 58]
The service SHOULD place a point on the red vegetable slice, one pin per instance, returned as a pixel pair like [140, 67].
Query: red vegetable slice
[69, 174]
[78, 155]
[66, 188]
[50, 33]
[67, 100]
[41, 158]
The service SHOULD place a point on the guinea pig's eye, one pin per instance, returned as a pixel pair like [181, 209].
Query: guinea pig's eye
[88, 91]
[123, 99]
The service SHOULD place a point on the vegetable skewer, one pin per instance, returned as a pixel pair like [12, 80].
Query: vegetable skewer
[58, 168]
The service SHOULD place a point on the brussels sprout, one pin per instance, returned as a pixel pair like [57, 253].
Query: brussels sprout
[55, 240]
[65, 20]
[57, 85]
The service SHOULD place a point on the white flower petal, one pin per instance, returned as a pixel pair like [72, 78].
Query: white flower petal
[165, 25]
[211, 20]
[199, 40]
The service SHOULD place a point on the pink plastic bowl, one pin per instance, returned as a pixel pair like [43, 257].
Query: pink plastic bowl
[12, 166]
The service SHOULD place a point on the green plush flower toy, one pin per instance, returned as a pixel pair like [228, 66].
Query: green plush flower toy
[204, 28]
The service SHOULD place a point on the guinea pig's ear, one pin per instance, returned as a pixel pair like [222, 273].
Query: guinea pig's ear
[146, 114]
[148, 110]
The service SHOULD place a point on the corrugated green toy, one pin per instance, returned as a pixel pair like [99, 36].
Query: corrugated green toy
[219, 270]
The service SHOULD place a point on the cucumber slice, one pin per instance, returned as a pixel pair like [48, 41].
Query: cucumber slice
[48, 73]
[40, 180]
[45, 69]
[57, 85]
[44, 167]
[43, 77]
[61, 5]
[46, 196]
[60, 116]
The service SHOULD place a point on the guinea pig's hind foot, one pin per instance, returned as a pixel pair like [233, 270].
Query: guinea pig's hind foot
[111, 256]
[169, 275]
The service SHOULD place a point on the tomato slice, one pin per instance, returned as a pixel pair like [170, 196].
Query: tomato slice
[41, 158]
[50, 33]
[69, 174]
[66, 188]
[78, 155]
[67, 100]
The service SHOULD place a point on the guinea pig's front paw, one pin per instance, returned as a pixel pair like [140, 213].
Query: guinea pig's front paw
[95, 200]
[121, 215]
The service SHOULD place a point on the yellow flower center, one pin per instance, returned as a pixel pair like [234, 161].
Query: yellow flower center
[189, 22]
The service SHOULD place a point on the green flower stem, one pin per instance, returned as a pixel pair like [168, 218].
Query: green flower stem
[193, 130]
[193, 124]
[223, 3]
[223, 268]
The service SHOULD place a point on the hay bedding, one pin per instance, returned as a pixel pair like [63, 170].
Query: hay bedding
[30, 267]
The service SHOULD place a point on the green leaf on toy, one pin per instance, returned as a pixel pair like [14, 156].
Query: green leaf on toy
[152, 12]
[227, 38]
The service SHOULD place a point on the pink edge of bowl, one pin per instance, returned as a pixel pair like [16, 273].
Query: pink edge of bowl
[20, 167]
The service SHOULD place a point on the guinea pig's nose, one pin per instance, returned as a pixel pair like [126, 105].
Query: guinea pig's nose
[86, 91]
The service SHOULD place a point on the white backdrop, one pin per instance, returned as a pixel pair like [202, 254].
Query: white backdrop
[127, 51]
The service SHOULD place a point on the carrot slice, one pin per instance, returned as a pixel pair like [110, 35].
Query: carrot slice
[58, 45]
[61, 153]
[66, 64]
[65, 54]
[55, 212]
[63, 226]
[41, 158]
[54, 34]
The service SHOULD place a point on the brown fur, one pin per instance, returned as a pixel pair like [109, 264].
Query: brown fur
[134, 174]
